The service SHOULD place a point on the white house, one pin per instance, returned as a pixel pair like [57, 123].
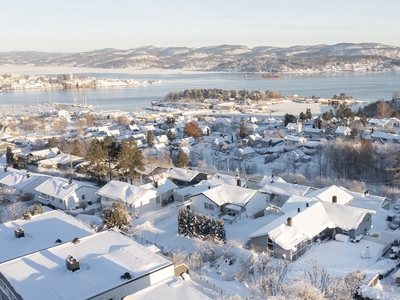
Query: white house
[65, 194]
[137, 198]
[294, 127]
[342, 131]
[106, 265]
[22, 181]
[230, 200]
[328, 193]
[294, 140]
[163, 186]
[244, 153]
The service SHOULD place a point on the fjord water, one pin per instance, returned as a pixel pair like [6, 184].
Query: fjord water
[362, 86]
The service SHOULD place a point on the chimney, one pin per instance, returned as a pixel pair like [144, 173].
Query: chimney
[239, 182]
[19, 232]
[307, 204]
[366, 193]
[5, 168]
[289, 222]
[209, 187]
[28, 175]
[298, 209]
[295, 182]
[72, 263]
[156, 184]
[334, 199]
[70, 181]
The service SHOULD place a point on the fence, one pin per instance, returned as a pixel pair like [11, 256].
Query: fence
[143, 241]
[205, 281]
[378, 241]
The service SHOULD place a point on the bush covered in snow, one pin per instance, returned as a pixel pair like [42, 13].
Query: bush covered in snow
[394, 252]
[34, 210]
[200, 226]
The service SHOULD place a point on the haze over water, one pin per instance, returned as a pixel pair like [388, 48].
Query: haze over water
[365, 87]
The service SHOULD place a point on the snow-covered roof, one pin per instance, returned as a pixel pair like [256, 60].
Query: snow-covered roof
[284, 188]
[267, 179]
[124, 191]
[226, 193]
[164, 185]
[325, 194]
[217, 179]
[61, 159]
[41, 232]
[296, 202]
[246, 150]
[343, 130]
[169, 289]
[367, 201]
[182, 174]
[17, 179]
[49, 153]
[385, 135]
[297, 139]
[103, 258]
[58, 187]
[311, 221]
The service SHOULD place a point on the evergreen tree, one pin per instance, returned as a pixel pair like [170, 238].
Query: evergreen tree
[395, 114]
[133, 122]
[53, 142]
[111, 149]
[96, 158]
[308, 112]
[290, 119]
[150, 138]
[303, 117]
[170, 135]
[243, 129]
[9, 156]
[77, 148]
[130, 160]
[117, 216]
[183, 160]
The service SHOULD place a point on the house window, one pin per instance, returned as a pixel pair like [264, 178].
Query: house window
[83, 197]
[270, 244]
[209, 206]
[52, 198]
[346, 232]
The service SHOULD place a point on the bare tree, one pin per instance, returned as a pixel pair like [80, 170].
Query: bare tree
[383, 110]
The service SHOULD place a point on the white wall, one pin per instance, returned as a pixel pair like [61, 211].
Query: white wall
[30, 187]
[256, 204]
[198, 205]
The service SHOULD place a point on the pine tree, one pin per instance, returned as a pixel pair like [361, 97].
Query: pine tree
[183, 160]
[111, 149]
[9, 156]
[130, 160]
[77, 148]
[308, 113]
[96, 158]
[117, 216]
[170, 135]
[53, 142]
[150, 138]
[243, 129]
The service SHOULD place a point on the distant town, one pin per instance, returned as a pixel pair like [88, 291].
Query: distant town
[208, 195]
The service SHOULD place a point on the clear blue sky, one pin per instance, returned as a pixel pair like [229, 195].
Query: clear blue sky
[72, 26]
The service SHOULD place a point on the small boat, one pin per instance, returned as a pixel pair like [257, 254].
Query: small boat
[271, 76]
[246, 76]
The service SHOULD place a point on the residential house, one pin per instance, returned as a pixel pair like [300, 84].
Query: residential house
[66, 194]
[137, 198]
[254, 139]
[244, 153]
[163, 186]
[4, 129]
[233, 201]
[385, 137]
[342, 131]
[185, 177]
[291, 235]
[22, 181]
[292, 140]
[106, 265]
[294, 127]
[35, 156]
[331, 194]
[280, 191]
[61, 161]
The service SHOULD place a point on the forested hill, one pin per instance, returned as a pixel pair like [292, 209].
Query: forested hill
[346, 56]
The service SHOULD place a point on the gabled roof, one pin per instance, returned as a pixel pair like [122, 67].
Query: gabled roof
[124, 191]
[325, 194]
[58, 187]
[311, 221]
[41, 232]
[284, 188]
[342, 130]
[225, 193]
[182, 174]
[164, 185]
[17, 179]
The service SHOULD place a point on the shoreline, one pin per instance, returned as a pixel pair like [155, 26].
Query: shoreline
[57, 70]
